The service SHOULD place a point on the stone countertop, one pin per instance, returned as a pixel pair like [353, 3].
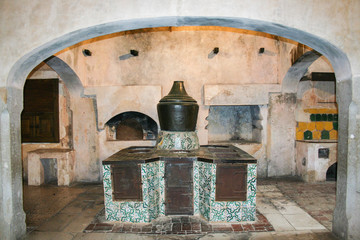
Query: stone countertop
[207, 153]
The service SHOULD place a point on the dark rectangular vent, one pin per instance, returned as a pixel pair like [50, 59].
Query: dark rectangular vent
[323, 76]
[323, 153]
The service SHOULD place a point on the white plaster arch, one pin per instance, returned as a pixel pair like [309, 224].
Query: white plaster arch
[25, 64]
[297, 71]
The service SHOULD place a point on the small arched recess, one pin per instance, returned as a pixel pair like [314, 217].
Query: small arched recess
[131, 125]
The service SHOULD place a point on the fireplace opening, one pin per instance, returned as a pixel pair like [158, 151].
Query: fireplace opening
[50, 170]
[131, 126]
[240, 124]
[331, 173]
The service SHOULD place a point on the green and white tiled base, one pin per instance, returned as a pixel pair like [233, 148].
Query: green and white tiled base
[153, 204]
[168, 140]
[218, 211]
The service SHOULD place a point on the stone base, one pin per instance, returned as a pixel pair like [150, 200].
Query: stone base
[168, 140]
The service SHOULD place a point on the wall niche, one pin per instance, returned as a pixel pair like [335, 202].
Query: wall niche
[131, 126]
[237, 124]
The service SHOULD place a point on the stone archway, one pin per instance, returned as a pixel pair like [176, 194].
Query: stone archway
[14, 225]
[298, 70]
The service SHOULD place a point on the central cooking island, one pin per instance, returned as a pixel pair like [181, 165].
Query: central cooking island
[178, 176]
[216, 183]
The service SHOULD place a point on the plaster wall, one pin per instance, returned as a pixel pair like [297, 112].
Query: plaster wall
[181, 53]
[281, 135]
[86, 142]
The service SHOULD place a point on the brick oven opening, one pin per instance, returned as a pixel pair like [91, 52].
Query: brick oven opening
[131, 126]
[241, 124]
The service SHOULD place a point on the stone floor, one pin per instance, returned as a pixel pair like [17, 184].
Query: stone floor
[295, 209]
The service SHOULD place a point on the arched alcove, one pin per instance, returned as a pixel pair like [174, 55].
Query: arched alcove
[131, 126]
[331, 173]
[23, 66]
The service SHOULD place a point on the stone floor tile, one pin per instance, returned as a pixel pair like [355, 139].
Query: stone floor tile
[36, 219]
[48, 235]
[303, 222]
[283, 202]
[261, 236]
[290, 209]
[279, 222]
[87, 200]
[324, 235]
[78, 224]
[294, 235]
[266, 207]
[273, 194]
[57, 223]
[75, 207]
[224, 236]
[267, 188]
[91, 236]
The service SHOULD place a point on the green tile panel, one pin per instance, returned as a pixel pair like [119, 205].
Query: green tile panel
[308, 135]
[323, 117]
[325, 134]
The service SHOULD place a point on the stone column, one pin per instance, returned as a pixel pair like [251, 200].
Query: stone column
[12, 216]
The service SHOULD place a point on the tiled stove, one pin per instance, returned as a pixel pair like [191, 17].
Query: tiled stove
[234, 202]
[179, 177]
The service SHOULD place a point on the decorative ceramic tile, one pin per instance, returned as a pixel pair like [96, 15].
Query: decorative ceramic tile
[153, 204]
[325, 134]
[248, 214]
[196, 187]
[202, 180]
[307, 135]
[235, 211]
[151, 207]
[161, 177]
[112, 209]
[168, 140]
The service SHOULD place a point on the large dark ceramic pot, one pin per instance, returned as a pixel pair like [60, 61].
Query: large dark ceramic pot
[177, 111]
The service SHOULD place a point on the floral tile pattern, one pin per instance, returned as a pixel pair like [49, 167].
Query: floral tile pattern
[196, 188]
[153, 204]
[168, 140]
[221, 211]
